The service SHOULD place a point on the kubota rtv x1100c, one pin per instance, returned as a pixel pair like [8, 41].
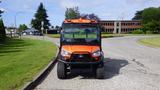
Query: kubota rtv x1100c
[80, 46]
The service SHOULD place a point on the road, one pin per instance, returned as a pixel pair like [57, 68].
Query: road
[128, 66]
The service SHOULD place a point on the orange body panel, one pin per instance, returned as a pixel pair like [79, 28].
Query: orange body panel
[80, 48]
[80, 21]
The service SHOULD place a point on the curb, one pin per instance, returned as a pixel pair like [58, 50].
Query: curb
[42, 75]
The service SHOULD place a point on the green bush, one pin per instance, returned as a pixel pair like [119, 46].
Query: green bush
[149, 32]
[137, 32]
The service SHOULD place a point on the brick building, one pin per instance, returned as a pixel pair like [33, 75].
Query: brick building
[120, 26]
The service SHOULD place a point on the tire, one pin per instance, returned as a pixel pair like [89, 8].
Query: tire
[100, 73]
[61, 70]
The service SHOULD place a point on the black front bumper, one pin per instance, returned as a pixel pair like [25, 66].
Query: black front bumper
[72, 63]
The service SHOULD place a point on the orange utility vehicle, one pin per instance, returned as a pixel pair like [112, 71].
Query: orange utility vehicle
[80, 47]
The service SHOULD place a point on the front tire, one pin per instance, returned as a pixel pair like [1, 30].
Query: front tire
[100, 72]
[61, 70]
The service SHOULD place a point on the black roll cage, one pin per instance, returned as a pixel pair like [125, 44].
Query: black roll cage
[85, 24]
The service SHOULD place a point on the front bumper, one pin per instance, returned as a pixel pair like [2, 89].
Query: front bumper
[72, 63]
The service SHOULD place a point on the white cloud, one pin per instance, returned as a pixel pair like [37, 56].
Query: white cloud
[106, 15]
[92, 3]
[82, 3]
[105, 9]
[2, 9]
[96, 2]
[136, 1]
[68, 3]
[141, 1]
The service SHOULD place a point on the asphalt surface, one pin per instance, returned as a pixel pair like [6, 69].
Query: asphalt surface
[128, 66]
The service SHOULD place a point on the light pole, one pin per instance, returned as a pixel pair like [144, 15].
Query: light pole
[15, 21]
[42, 28]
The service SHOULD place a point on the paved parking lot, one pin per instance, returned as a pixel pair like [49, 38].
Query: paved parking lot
[128, 66]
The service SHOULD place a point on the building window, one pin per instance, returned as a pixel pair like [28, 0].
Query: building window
[117, 24]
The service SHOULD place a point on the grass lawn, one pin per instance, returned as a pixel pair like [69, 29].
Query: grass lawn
[21, 60]
[54, 35]
[153, 42]
[103, 35]
[121, 35]
[107, 35]
[113, 35]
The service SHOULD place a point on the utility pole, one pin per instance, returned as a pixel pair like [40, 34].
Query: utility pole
[46, 31]
[15, 22]
[42, 28]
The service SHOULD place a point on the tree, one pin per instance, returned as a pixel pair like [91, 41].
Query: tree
[57, 27]
[2, 31]
[152, 27]
[1, 11]
[22, 27]
[150, 19]
[138, 15]
[151, 14]
[72, 13]
[40, 16]
[90, 16]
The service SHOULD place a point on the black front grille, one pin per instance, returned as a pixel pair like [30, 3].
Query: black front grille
[81, 58]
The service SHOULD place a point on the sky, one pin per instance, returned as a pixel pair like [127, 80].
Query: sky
[24, 10]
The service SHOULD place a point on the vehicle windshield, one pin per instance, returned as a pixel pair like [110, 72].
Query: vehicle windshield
[80, 34]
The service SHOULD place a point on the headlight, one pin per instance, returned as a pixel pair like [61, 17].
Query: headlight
[65, 53]
[97, 53]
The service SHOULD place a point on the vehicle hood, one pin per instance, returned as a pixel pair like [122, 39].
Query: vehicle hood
[80, 48]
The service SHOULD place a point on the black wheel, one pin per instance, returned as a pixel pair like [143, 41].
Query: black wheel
[100, 72]
[61, 70]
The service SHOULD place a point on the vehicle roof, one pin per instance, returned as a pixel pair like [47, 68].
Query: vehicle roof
[80, 20]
